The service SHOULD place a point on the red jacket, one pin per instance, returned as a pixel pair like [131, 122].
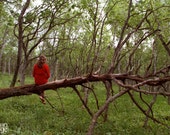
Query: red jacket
[41, 75]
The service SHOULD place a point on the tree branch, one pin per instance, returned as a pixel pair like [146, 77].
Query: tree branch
[34, 89]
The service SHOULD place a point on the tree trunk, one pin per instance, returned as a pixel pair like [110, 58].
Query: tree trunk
[22, 72]
[20, 42]
[4, 66]
[53, 70]
[29, 89]
[2, 45]
[9, 66]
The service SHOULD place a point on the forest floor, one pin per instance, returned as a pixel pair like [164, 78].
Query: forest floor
[26, 115]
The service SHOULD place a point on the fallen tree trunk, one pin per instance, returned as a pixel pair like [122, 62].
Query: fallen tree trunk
[34, 89]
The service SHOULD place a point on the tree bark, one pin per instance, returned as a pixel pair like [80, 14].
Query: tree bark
[33, 89]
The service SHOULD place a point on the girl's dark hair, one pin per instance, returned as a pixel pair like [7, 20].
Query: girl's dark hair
[41, 61]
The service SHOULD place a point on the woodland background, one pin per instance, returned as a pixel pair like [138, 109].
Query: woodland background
[125, 39]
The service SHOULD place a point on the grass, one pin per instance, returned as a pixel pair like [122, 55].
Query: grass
[25, 115]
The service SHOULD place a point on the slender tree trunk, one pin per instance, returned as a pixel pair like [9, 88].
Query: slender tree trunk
[4, 66]
[2, 46]
[22, 74]
[86, 93]
[53, 70]
[20, 42]
[108, 95]
[9, 66]
[22, 71]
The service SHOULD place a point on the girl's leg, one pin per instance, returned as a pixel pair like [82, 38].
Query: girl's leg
[42, 97]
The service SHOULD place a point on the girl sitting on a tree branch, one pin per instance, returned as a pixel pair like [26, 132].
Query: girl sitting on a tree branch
[41, 74]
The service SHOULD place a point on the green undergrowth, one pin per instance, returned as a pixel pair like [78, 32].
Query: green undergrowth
[26, 115]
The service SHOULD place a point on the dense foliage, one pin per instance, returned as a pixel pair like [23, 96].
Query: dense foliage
[80, 36]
